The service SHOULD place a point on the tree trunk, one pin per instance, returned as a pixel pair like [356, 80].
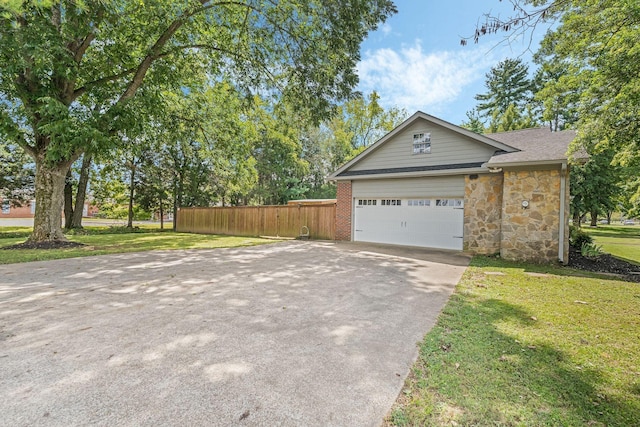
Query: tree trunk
[81, 194]
[132, 182]
[175, 213]
[177, 196]
[161, 215]
[594, 219]
[49, 183]
[177, 205]
[576, 219]
[68, 200]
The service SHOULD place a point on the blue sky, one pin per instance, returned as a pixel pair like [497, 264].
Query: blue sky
[415, 60]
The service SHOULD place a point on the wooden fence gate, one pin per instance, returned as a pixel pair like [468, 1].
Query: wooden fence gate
[282, 221]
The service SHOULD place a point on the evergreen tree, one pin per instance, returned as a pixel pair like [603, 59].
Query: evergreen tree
[507, 84]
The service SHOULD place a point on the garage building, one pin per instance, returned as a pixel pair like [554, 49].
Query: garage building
[432, 184]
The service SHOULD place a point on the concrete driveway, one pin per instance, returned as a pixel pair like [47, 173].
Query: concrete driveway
[287, 334]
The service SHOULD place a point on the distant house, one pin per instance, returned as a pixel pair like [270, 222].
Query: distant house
[28, 209]
[8, 210]
[433, 184]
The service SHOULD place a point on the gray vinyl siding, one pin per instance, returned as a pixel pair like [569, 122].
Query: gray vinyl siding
[447, 147]
[445, 186]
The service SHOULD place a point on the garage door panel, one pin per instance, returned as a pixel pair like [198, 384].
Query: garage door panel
[405, 224]
[376, 224]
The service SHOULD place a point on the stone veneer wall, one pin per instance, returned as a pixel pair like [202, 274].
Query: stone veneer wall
[344, 204]
[531, 234]
[482, 213]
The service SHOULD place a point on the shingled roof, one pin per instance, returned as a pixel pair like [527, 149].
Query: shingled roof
[535, 146]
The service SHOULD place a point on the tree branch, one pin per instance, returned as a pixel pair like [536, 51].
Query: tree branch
[79, 46]
[13, 132]
[81, 90]
[155, 51]
[82, 48]
[521, 22]
[144, 66]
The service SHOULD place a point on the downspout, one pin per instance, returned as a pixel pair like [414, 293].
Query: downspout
[563, 191]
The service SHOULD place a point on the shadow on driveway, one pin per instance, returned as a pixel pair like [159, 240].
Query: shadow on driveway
[294, 333]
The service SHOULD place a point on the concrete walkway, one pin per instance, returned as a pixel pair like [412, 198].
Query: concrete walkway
[288, 334]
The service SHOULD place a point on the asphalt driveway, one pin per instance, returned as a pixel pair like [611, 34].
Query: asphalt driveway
[288, 334]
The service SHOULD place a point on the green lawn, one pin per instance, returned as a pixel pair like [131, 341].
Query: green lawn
[620, 241]
[112, 240]
[559, 348]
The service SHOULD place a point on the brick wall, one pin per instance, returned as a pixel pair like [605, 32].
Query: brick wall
[344, 205]
[26, 210]
[10, 211]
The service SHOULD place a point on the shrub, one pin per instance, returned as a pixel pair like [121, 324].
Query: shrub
[590, 250]
[578, 237]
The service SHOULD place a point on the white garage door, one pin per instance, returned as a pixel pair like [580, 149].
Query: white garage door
[432, 222]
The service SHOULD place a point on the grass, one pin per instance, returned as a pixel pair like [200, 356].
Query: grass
[561, 348]
[620, 241]
[114, 240]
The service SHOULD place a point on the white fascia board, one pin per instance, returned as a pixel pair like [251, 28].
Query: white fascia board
[425, 174]
[521, 164]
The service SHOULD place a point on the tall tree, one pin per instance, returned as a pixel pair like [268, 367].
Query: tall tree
[61, 57]
[277, 151]
[359, 122]
[557, 97]
[228, 137]
[315, 151]
[366, 121]
[507, 84]
[595, 187]
[154, 192]
[555, 90]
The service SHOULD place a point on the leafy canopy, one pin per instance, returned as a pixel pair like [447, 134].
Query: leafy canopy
[70, 67]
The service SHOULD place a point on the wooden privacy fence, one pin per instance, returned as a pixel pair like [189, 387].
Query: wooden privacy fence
[283, 221]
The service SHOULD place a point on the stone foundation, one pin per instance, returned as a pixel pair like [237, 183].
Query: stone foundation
[483, 213]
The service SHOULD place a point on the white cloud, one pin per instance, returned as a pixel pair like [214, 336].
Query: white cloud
[386, 29]
[417, 80]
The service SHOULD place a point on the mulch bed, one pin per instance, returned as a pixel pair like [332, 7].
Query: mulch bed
[604, 264]
[55, 244]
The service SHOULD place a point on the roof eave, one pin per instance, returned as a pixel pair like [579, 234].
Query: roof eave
[465, 171]
[551, 162]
